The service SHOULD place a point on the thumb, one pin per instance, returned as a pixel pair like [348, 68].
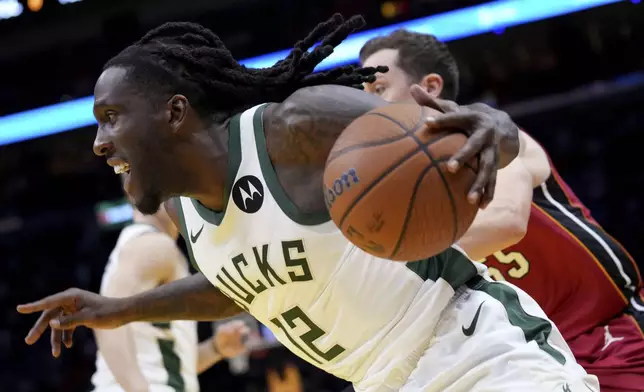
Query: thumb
[69, 321]
[424, 98]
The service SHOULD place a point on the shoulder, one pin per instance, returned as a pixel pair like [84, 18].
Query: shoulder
[153, 249]
[306, 124]
[318, 101]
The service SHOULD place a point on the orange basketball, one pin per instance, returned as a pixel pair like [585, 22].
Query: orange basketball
[388, 189]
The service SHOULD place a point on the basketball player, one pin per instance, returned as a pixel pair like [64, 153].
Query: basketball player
[536, 233]
[154, 356]
[244, 180]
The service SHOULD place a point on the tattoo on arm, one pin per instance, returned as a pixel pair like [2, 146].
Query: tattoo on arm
[303, 129]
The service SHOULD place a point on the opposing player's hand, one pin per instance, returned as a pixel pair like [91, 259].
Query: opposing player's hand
[65, 311]
[492, 135]
[229, 338]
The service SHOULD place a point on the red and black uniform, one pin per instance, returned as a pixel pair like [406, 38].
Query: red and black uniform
[585, 281]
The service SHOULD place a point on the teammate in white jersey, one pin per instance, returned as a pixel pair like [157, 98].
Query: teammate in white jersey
[154, 356]
[187, 123]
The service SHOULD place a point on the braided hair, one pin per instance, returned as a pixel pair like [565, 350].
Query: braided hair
[187, 58]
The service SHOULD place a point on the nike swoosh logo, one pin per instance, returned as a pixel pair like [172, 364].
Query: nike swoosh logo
[194, 237]
[469, 331]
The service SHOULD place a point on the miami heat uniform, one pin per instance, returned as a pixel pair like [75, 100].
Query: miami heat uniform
[584, 280]
[431, 325]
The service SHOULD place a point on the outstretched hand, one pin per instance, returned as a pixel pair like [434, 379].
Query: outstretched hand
[493, 136]
[65, 311]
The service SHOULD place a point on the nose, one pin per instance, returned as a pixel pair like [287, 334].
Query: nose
[101, 145]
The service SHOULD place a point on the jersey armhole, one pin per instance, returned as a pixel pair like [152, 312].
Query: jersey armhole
[183, 230]
[272, 182]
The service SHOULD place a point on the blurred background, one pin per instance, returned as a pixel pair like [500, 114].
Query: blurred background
[568, 71]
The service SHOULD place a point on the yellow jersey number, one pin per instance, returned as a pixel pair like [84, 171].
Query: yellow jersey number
[520, 265]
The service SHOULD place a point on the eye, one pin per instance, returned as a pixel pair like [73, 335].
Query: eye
[379, 89]
[110, 115]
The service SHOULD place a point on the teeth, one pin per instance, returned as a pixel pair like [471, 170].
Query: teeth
[122, 168]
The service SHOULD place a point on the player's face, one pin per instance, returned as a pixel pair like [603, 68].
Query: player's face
[135, 138]
[392, 86]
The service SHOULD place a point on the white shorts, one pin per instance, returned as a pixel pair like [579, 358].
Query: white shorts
[494, 337]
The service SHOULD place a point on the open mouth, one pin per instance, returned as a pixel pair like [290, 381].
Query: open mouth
[122, 168]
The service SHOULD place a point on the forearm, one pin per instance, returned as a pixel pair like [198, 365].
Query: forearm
[491, 232]
[207, 356]
[119, 351]
[190, 298]
[505, 220]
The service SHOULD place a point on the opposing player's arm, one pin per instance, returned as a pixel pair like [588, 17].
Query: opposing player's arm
[505, 220]
[534, 159]
[144, 262]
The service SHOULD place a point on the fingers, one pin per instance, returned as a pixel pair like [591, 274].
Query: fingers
[472, 146]
[70, 321]
[68, 337]
[423, 98]
[40, 326]
[459, 120]
[490, 186]
[53, 301]
[56, 339]
[486, 176]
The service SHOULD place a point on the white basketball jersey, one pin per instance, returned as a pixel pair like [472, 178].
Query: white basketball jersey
[359, 317]
[166, 352]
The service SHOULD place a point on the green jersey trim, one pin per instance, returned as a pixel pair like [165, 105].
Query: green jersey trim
[270, 176]
[451, 265]
[172, 365]
[234, 160]
[534, 328]
[184, 232]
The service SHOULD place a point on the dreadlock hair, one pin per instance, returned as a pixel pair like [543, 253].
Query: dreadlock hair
[419, 55]
[187, 58]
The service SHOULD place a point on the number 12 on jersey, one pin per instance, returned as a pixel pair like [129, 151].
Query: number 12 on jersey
[294, 317]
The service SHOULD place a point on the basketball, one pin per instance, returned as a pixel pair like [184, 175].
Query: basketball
[388, 189]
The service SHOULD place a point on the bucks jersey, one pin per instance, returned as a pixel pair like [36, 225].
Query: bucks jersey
[166, 352]
[359, 317]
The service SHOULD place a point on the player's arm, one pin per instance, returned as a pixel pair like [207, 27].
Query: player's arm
[226, 343]
[302, 130]
[144, 262]
[190, 298]
[505, 220]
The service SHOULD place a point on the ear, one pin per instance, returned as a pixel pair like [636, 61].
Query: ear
[178, 111]
[433, 84]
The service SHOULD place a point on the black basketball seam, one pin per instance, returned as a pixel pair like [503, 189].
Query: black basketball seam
[404, 128]
[375, 182]
[425, 148]
[374, 143]
[410, 207]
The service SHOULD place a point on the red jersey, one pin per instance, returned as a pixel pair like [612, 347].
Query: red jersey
[580, 275]
[583, 279]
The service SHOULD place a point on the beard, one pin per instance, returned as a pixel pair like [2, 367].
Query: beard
[149, 203]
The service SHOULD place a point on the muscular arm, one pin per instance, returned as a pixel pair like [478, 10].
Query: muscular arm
[191, 298]
[301, 131]
[505, 220]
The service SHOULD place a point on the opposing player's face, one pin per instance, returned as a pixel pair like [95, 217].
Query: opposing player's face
[392, 86]
[134, 137]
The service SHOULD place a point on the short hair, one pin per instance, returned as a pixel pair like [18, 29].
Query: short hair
[187, 58]
[419, 55]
